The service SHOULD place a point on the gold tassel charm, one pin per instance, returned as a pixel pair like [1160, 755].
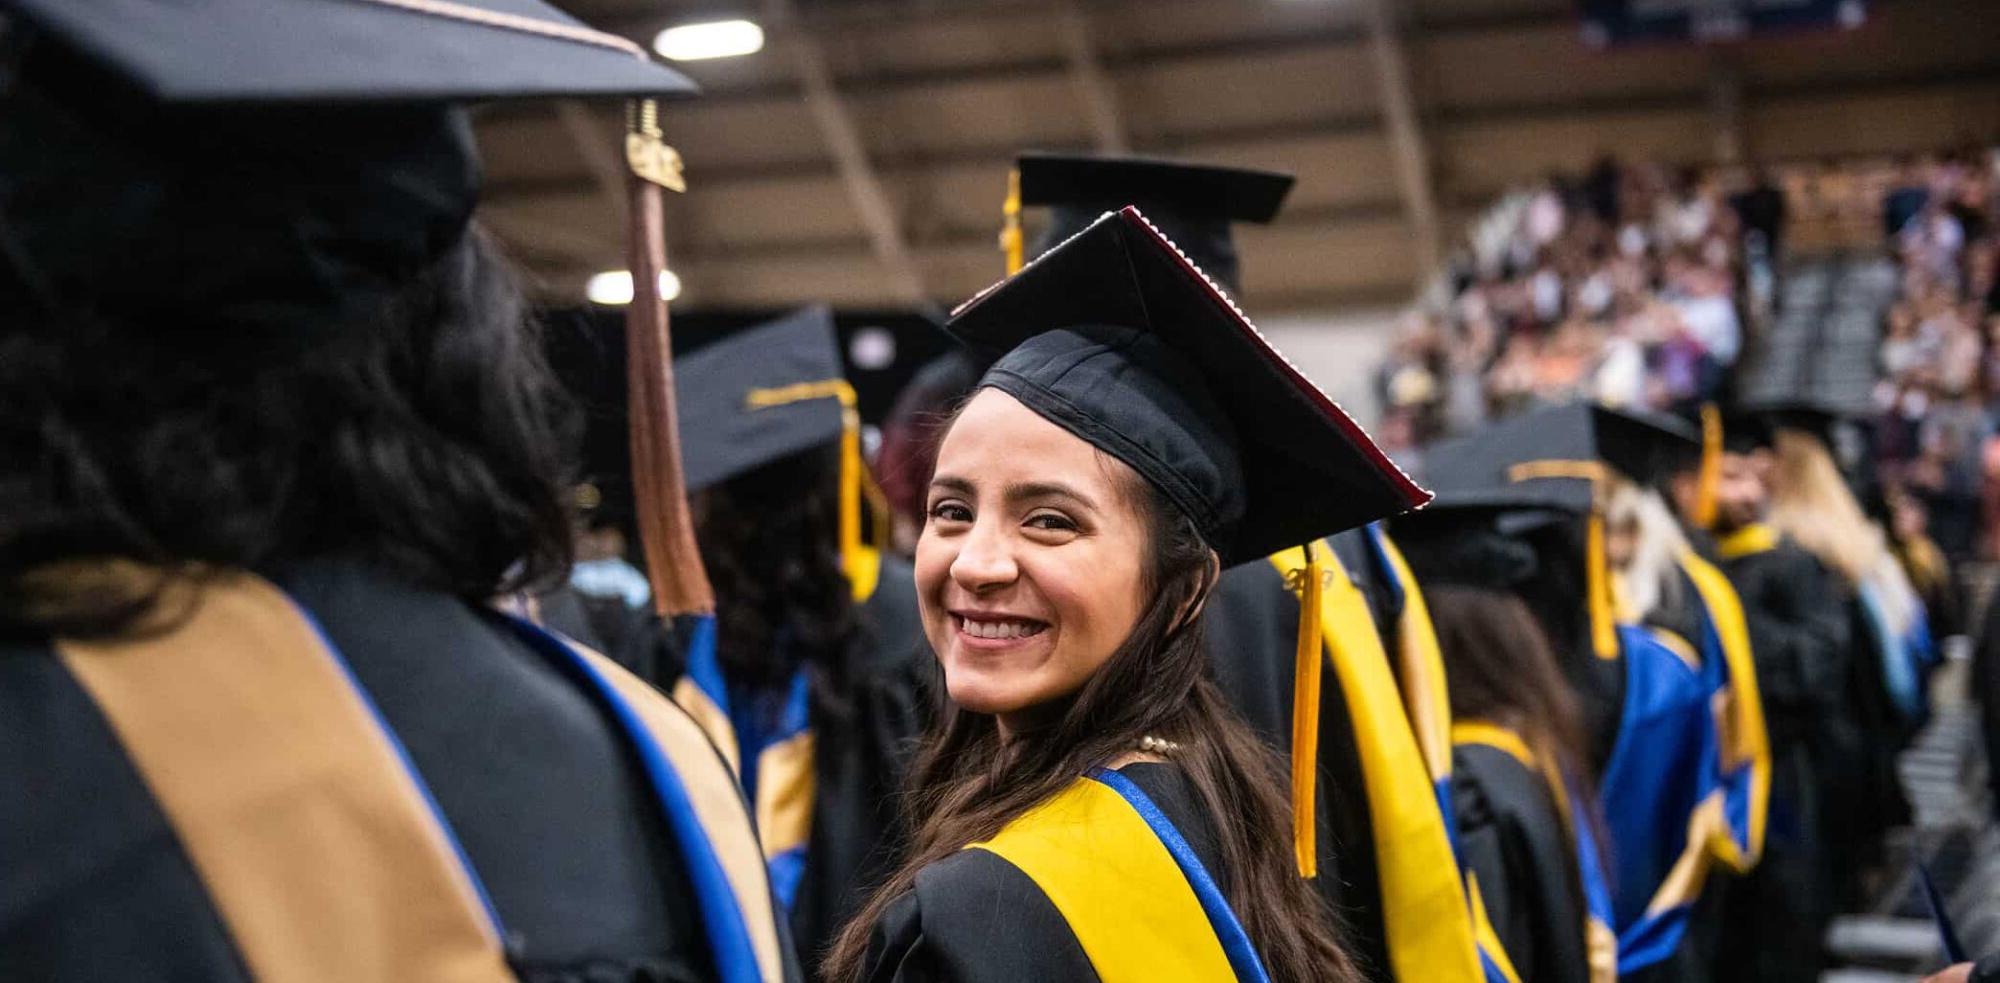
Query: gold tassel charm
[1708, 480]
[1307, 583]
[1011, 242]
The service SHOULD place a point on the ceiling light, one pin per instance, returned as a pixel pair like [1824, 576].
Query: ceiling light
[711, 39]
[613, 288]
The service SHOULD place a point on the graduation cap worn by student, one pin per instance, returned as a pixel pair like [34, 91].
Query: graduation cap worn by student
[771, 391]
[1118, 338]
[1192, 204]
[300, 163]
[1564, 454]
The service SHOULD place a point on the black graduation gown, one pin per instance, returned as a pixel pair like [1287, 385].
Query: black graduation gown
[973, 917]
[865, 730]
[1513, 839]
[1253, 623]
[550, 807]
[1776, 916]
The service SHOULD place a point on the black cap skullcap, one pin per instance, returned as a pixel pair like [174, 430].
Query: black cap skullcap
[229, 160]
[1191, 204]
[1115, 336]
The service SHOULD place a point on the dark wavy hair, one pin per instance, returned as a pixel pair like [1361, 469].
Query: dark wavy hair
[967, 784]
[424, 434]
[770, 540]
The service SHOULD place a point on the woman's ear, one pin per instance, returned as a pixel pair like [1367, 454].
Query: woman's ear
[1192, 606]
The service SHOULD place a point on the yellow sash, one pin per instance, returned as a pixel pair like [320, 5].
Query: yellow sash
[1424, 906]
[1123, 896]
[1753, 538]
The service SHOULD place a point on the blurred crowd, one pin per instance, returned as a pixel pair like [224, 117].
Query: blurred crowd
[1940, 351]
[1641, 285]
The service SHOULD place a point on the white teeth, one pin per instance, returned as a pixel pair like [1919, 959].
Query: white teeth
[1000, 629]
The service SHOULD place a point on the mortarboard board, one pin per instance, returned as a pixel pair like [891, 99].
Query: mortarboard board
[1191, 204]
[1115, 336]
[760, 394]
[1562, 450]
[1810, 416]
[771, 391]
[248, 163]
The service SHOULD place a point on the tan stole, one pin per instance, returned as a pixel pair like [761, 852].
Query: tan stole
[323, 856]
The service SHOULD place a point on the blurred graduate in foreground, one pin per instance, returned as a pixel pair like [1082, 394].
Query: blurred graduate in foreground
[278, 431]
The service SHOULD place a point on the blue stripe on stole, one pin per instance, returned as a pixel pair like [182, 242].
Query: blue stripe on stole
[1737, 790]
[1235, 942]
[788, 869]
[409, 768]
[750, 717]
[1661, 767]
[721, 918]
[702, 665]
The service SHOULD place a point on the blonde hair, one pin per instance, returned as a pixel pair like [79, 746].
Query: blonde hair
[1811, 503]
[1651, 578]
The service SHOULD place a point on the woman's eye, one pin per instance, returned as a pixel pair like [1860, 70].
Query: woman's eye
[1051, 522]
[950, 512]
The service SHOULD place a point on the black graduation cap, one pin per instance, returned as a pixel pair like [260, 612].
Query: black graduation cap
[1192, 204]
[255, 157]
[771, 391]
[761, 394]
[1809, 415]
[1744, 431]
[1558, 453]
[1117, 337]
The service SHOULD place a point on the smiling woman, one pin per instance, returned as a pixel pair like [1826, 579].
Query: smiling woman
[1088, 807]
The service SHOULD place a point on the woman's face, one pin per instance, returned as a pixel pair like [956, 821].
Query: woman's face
[1029, 568]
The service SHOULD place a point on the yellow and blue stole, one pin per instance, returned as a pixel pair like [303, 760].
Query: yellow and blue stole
[1405, 756]
[316, 838]
[1660, 795]
[1131, 889]
[1600, 941]
[1420, 677]
[1743, 747]
[767, 739]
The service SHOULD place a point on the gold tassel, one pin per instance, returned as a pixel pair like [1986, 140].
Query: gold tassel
[1708, 481]
[1305, 713]
[1011, 241]
[1597, 585]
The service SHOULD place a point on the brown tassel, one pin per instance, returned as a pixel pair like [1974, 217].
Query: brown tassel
[666, 529]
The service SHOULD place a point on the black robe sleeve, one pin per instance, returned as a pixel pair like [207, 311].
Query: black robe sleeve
[1798, 630]
[1515, 843]
[867, 719]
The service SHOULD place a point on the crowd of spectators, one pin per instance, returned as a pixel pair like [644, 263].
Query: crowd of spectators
[1641, 285]
[1628, 285]
[1939, 398]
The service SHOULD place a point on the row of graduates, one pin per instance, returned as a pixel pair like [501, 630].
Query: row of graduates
[271, 726]
[1550, 730]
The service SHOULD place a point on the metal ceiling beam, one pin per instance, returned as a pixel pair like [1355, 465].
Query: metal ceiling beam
[850, 154]
[1086, 72]
[1407, 148]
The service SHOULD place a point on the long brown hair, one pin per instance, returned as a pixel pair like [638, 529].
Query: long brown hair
[1502, 669]
[967, 784]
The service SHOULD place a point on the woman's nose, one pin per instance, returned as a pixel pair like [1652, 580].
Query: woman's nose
[985, 559]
